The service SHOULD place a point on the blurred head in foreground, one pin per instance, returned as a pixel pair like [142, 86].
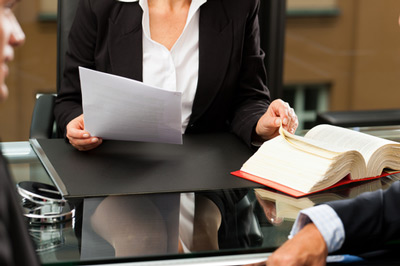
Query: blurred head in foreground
[11, 35]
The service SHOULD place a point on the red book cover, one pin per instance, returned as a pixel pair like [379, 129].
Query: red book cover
[297, 193]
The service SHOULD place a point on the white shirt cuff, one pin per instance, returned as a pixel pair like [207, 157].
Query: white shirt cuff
[328, 223]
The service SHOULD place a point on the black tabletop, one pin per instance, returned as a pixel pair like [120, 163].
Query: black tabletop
[203, 162]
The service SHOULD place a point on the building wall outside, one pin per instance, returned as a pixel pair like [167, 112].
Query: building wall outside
[357, 52]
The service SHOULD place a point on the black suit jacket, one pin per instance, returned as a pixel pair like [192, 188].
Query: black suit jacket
[16, 246]
[370, 220]
[231, 93]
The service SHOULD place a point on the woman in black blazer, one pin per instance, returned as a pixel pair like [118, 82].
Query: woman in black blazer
[231, 93]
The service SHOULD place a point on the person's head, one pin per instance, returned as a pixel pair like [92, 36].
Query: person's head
[11, 35]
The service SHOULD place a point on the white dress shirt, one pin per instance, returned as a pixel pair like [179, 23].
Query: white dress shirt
[328, 223]
[176, 69]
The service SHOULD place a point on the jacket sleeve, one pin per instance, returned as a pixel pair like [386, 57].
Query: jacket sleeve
[253, 97]
[81, 45]
[370, 220]
[17, 247]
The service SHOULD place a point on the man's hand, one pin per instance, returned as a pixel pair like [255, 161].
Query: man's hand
[279, 112]
[79, 138]
[308, 247]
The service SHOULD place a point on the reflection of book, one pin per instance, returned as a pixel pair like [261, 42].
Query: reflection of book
[324, 156]
[288, 207]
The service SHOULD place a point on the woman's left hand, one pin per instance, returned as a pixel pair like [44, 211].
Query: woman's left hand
[279, 112]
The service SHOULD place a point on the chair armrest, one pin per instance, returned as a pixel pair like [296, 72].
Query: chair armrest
[42, 124]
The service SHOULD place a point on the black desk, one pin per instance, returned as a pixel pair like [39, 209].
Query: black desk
[247, 230]
[203, 162]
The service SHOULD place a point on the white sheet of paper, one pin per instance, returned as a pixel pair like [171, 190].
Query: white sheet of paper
[124, 109]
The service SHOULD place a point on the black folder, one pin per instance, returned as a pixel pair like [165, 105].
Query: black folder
[203, 162]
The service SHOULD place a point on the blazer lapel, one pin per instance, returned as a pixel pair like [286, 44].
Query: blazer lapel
[125, 41]
[215, 48]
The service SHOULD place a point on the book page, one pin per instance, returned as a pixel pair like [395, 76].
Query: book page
[349, 139]
[281, 162]
[304, 164]
[316, 147]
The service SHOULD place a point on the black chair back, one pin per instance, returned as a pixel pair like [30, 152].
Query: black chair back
[43, 121]
[272, 18]
[65, 17]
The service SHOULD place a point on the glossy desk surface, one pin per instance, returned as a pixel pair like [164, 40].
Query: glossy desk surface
[144, 229]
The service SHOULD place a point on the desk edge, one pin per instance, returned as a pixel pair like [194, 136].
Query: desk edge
[49, 167]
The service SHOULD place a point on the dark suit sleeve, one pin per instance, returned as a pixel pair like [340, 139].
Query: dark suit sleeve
[81, 43]
[371, 219]
[253, 96]
[16, 247]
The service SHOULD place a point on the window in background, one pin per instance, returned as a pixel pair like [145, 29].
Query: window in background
[48, 10]
[307, 100]
[341, 55]
[312, 7]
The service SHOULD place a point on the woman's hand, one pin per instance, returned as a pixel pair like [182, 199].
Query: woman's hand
[79, 138]
[279, 112]
[269, 208]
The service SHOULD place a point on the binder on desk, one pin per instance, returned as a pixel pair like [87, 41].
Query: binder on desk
[203, 162]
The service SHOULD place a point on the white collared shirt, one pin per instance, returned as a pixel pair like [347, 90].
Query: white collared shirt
[328, 223]
[175, 69]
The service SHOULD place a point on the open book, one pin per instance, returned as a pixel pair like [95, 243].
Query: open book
[325, 157]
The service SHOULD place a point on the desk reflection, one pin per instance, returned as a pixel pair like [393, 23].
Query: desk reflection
[279, 207]
[158, 224]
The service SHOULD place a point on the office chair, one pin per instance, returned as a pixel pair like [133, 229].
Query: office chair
[43, 121]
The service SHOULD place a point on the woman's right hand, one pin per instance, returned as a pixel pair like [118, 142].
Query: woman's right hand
[79, 138]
